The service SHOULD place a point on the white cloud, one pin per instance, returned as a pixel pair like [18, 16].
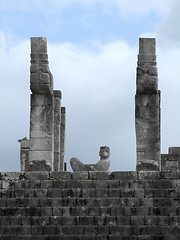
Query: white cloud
[126, 7]
[168, 29]
[141, 7]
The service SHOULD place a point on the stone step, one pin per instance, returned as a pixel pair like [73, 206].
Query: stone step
[93, 201]
[88, 220]
[90, 211]
[142, 175]
[88, 230]
[97, 237]
[70, 183]
[90, 193]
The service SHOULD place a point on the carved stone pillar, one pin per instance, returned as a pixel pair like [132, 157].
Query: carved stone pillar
[62, 166]
[147, 112]
[24, 154]
[41, 152]
[57, 129]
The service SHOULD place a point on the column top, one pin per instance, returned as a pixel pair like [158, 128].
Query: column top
[38, 45]
[147, 46]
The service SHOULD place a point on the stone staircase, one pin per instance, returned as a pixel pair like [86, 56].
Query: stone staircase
[90, 205]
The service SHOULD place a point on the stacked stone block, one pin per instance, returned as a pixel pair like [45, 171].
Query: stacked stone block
[147, 112]
[44, 149]
[171, 161]
[90, 205]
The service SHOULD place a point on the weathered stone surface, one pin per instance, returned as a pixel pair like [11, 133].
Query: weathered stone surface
[41, 78]
[42, 152]
[62, 139]
[102, 165]
[39, 165]
[41, 144]
[57, 129]
[137, 205]
[147, 112]
[171, 161]
[24, 153]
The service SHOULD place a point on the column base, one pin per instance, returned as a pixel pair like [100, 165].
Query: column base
[39, 166]
[147, 165]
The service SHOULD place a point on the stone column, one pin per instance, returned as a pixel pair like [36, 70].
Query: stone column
[24, 154]
[41, 154]
[57, 129]
[147, 109]
[62, 144]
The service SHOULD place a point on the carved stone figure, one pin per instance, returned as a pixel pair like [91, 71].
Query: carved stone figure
[102, 165]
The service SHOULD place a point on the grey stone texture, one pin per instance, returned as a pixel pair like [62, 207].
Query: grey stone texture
[24, 153]
[90, 205]
[43, 152]
[57, 129]
[62, 165]
[147, 110]
[171, 161]
[102, 165]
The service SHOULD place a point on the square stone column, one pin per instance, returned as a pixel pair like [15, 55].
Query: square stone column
[41, 152]
[57, 129]
[45, 148]
[62, 166]
[147, 109]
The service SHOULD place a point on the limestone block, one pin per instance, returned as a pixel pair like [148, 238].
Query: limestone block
[41, 144]
[147, 46]
[147, 165]
[41, 78]
[56, 161]
[41, 100]
[24, 158]
[171, 165]
[173, 157]
[32, 176]
[144, 100]
[42, 67]
[41, 155]
[41, 124]
[146, 69]
[57, 145]
[147, 115]
[57, 129]
[60, 175]
[147, 84]
[38, 45]
[174, 150]
[39, 165]
[99, 175]
[80, 175]
[62, 137]
[150, 58]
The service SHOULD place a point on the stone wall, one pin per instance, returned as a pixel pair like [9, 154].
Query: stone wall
[90, 205]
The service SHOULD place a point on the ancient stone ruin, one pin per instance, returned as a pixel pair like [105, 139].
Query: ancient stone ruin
[101, 166]
[44, 151]
[45, 202]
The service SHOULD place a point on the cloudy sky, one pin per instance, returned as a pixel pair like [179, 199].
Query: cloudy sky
[92, 47]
